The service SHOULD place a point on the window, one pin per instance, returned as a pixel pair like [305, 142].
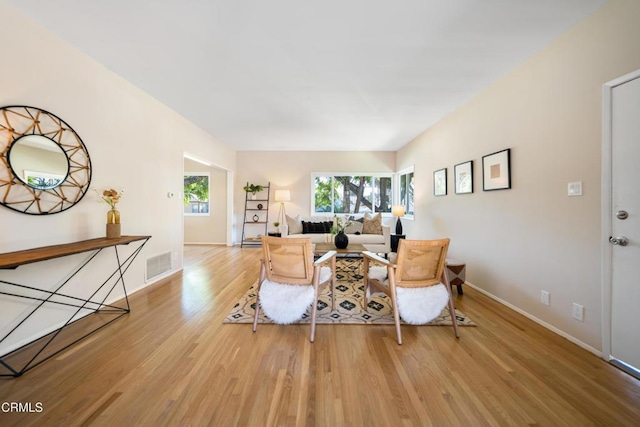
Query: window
[342, 194]
[406, 191]
[196, 193]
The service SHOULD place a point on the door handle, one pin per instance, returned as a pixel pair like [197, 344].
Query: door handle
[620, 241]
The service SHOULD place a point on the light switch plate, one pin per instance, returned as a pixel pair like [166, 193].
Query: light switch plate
[574, 188]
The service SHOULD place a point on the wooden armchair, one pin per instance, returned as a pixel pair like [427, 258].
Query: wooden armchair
[290, 280]
[420, 264]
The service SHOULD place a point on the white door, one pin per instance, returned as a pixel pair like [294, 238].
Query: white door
[625, 225]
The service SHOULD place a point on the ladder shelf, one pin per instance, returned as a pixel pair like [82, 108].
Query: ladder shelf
[255, 220]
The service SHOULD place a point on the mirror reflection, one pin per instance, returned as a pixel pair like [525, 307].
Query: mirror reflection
[38, 161]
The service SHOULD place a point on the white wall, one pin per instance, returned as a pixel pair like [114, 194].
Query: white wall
[533, 237]
[135, 143]
[291, 170]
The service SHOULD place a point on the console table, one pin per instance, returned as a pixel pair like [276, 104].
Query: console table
[30, 355]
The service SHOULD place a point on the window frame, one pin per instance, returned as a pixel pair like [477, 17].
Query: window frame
[398, 201]
[332, 175]
[208, 175]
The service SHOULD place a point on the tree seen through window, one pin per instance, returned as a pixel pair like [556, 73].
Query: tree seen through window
[352, 194]
[196, 194]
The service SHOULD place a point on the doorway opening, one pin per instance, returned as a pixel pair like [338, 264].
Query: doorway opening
[208, 203]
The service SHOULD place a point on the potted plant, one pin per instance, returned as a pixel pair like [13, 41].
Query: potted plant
[339, 224]
[253, 189]
[277, 225]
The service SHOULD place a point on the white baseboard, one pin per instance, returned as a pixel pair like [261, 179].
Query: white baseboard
[538, 321]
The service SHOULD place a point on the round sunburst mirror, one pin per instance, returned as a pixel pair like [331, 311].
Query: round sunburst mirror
[45, 167]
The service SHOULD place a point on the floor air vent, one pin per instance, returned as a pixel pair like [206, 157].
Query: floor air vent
[158, 265]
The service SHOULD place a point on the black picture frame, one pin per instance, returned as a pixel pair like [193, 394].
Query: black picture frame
[496, 171]
[463, 175]
[440, 182]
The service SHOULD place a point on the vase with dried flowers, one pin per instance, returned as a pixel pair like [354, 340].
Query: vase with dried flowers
[112, 197]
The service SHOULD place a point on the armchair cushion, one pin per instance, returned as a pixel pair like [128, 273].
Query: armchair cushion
[418, 306]
[285, 304]
[379, 274]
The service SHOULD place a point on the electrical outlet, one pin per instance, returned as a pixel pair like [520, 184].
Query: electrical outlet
[544, 297]
[578, 312]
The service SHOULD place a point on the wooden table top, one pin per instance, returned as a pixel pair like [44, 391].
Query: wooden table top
[12, 260]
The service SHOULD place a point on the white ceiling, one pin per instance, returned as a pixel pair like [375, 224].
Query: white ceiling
[310, 75]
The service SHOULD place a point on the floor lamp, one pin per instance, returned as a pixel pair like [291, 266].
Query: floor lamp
[282, 196]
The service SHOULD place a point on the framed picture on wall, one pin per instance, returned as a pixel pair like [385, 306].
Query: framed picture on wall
[440, 182]
[496, 171]
[463, 173]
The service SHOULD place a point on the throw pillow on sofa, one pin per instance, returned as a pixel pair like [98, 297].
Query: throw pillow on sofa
[354, 228]
[372, 225]
[294, 224]
[316, 227]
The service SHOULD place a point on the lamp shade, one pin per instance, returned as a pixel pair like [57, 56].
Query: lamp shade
[282, 196]
[397, 210]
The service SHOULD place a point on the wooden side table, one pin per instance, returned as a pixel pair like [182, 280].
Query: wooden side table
[457, 273]
[395, 239]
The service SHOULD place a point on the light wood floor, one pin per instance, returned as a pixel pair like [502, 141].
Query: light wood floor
[171, 361]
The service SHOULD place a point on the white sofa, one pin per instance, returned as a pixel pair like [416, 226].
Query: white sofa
[377, 243]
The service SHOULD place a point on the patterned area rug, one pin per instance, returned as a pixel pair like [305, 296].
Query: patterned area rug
[349, 303]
